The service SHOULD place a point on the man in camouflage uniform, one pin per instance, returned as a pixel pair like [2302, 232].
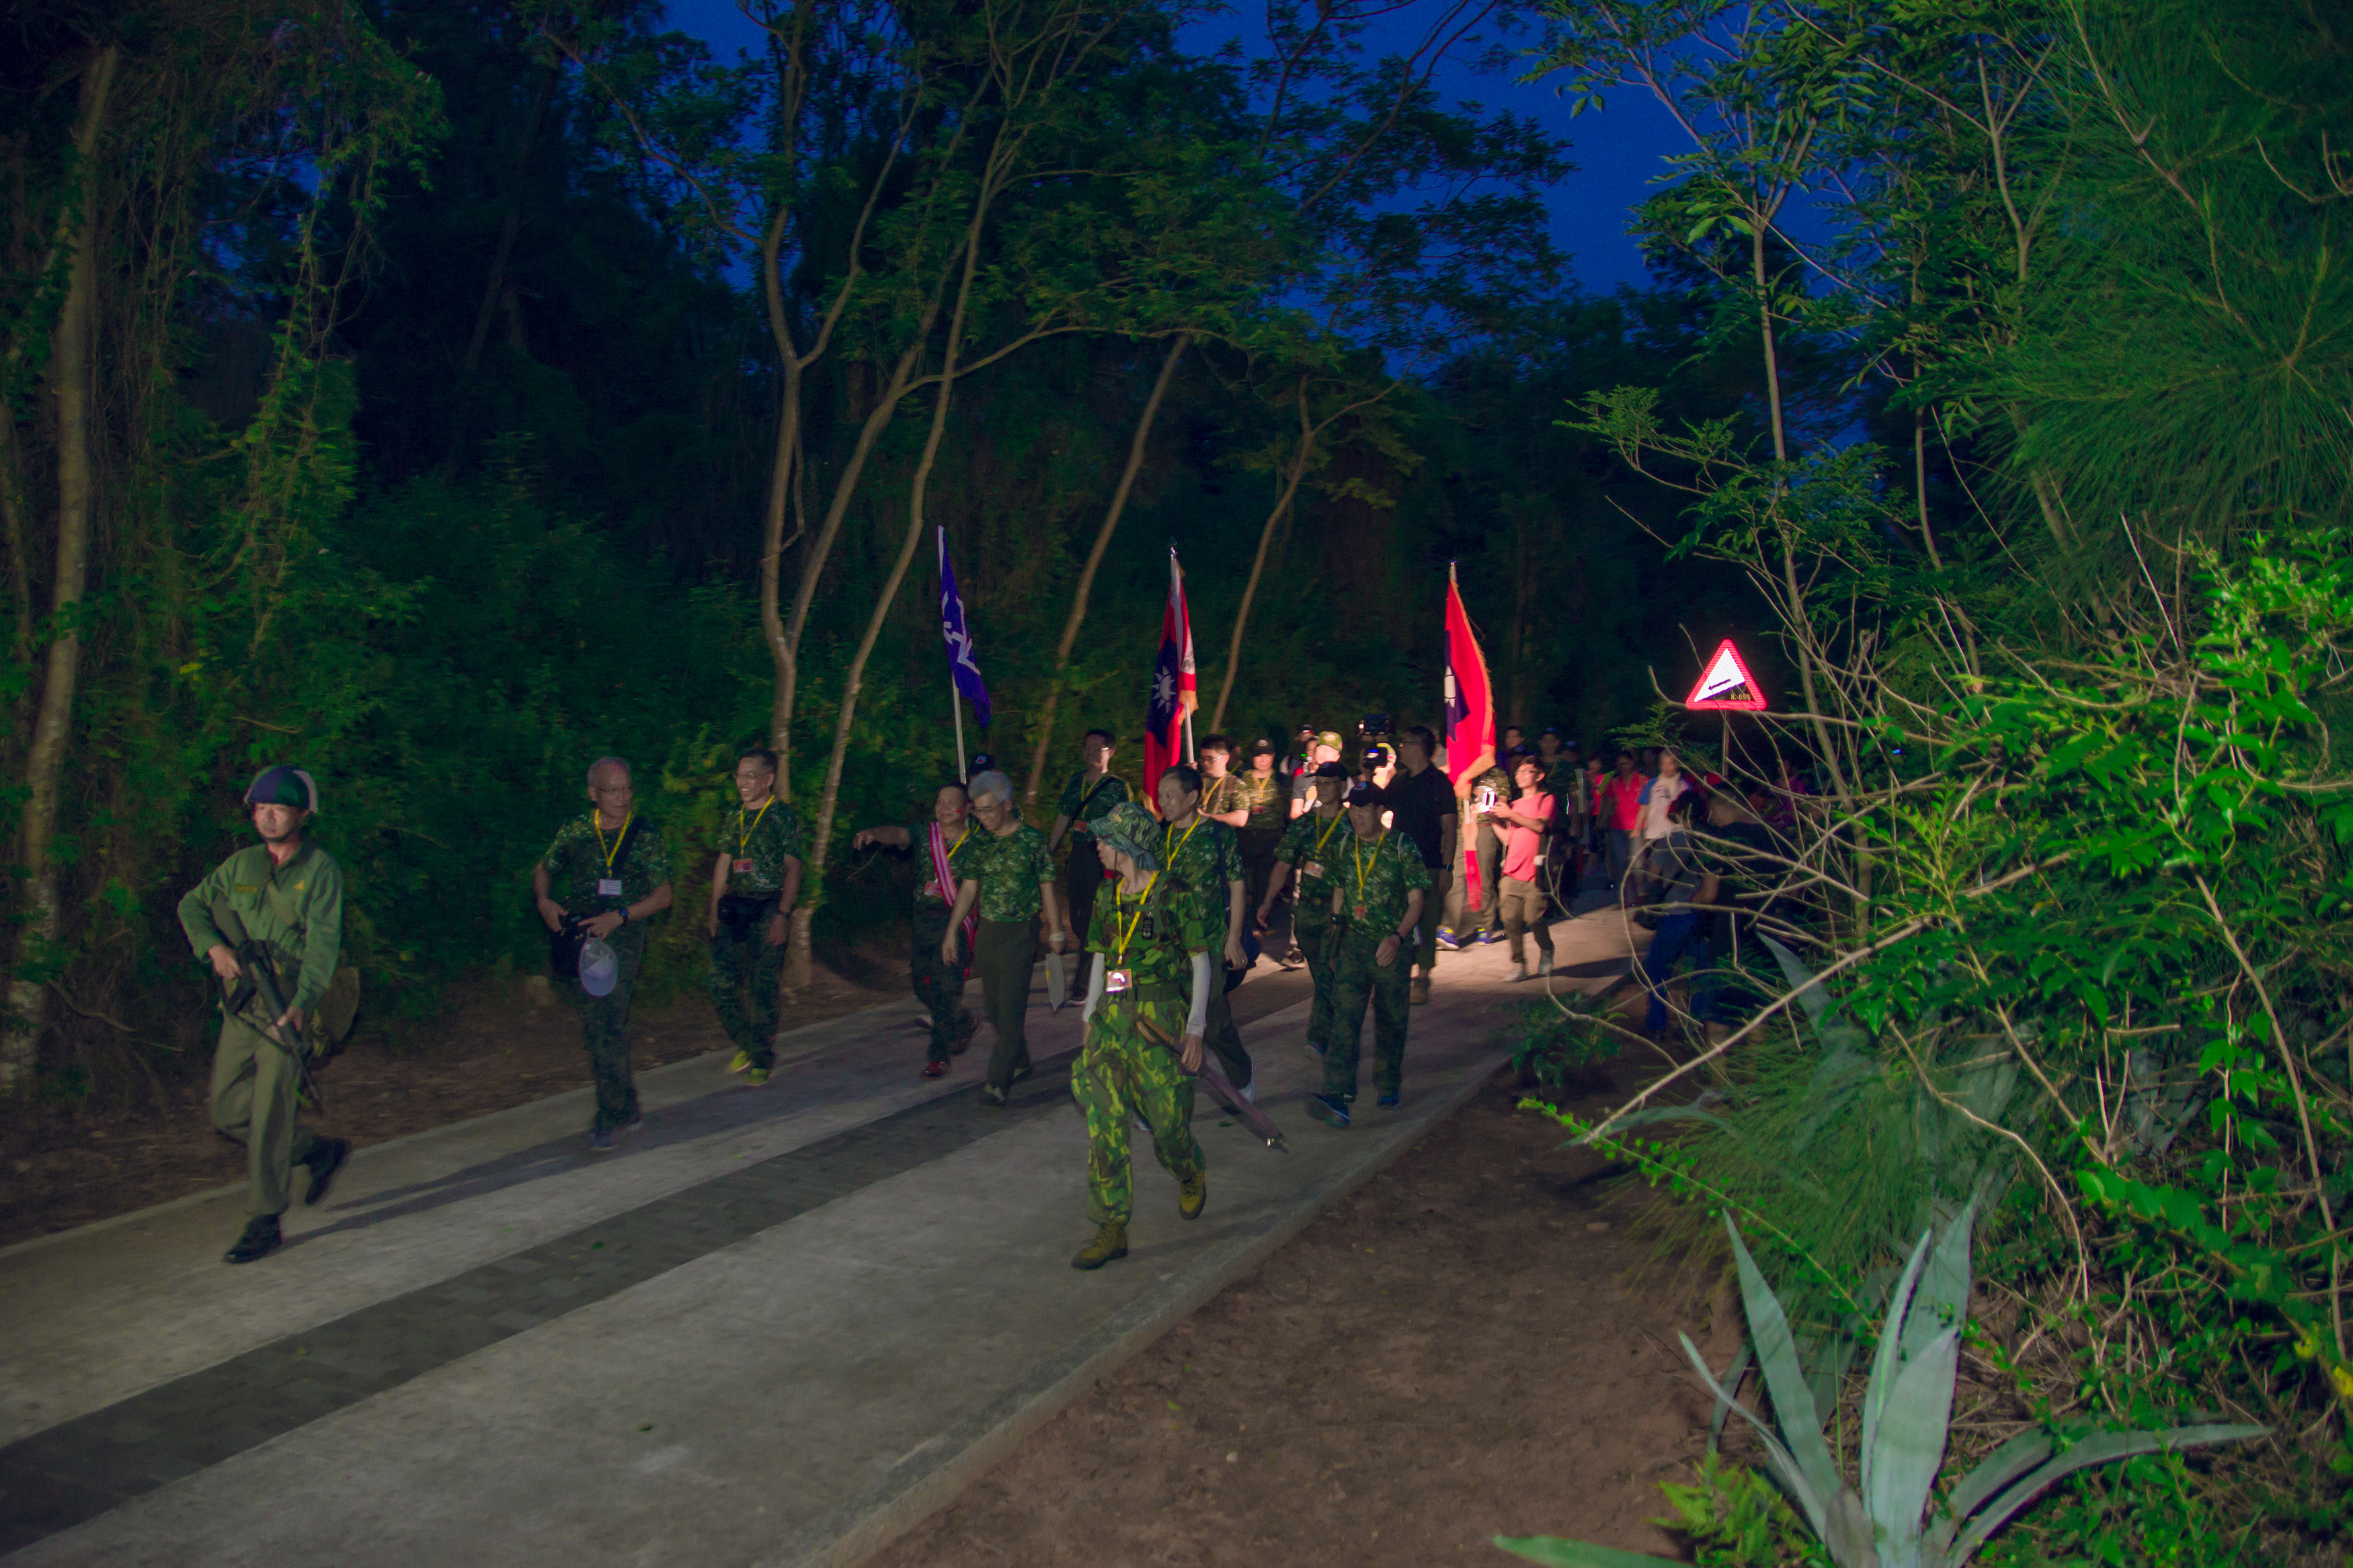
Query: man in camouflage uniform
[613, 873]
[753, 889]
[1008, 878]
[1265, 813]
[1308, 851]
[1093, 791]
[288, 895]
[1206, 857]
[1146, 1009]
[939, 984]
[1381, 884]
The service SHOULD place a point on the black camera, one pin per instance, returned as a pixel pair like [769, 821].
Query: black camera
[1374, 726]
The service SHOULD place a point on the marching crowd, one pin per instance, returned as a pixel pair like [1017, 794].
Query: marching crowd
[1348, 859]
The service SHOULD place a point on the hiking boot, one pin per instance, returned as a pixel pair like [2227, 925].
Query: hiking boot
[935, 1070]
[1193, 1194]
[324, 1161]
[1109, 1242]
[1420, 991]
[261, 1240]
[1329, 1108]
[743, 1059]
[992, 1096]
[756, 1079]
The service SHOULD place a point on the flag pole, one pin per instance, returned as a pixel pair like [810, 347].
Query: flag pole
[955, 702]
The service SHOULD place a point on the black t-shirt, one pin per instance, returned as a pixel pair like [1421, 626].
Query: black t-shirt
[1416, 802]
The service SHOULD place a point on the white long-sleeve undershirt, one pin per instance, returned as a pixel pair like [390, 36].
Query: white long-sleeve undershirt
[1196, 1022]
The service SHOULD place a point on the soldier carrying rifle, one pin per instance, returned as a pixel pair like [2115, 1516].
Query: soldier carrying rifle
[270, 921]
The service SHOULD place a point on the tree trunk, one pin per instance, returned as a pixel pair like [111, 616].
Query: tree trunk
[1095, 560]
[1258, 564]
[495, 286]
[69, 375]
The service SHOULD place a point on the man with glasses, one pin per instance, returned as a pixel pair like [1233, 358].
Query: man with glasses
[754, 884]
[613, 872]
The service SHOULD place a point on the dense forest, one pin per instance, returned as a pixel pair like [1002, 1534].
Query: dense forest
[440, 396]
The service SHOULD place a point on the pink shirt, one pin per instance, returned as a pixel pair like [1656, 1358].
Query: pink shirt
[1621, 801]
[1523, 844]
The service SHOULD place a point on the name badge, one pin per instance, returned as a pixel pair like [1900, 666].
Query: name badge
[742, 868]
[609, 887]
[1357, 912]
[1313, 868]
[1117, 980]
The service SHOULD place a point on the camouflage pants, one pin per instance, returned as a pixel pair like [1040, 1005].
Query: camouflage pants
[1356, 981]
[1314, 936]
[604, 1021]
[939, 985]
[1121, 1073]
[739, 963]
[254, 1090]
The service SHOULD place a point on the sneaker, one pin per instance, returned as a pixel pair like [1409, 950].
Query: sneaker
[1248, 1091]
[636, 1123]
[1193, 1196]
[994, 1098]
[935, 1070]
[1387, 1101]
[1487, 939]
[1544, 964]
[1519, 973]
[756, 1079]
[1024, 1070]
[262, 1237]
[1328, 1109]
[603, 1141]
[1109, 1242]
[324, 1161]
[1446, 939]
[1420, 991]
[743, 1059]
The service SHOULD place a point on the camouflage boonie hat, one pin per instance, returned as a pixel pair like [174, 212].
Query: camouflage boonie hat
[1129, 830]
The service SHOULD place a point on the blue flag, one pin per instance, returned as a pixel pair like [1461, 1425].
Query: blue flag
[959, 635]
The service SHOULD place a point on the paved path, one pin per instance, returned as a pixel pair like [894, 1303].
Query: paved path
[778, 1327]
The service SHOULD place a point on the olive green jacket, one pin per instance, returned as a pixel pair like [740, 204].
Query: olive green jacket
[295, 910]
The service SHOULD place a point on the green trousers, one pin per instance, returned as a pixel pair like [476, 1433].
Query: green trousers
[747, 963]
[939, 985]
[1357, 982]
[604, 1025]
[1312, 932]
[1223, 1038]
[1120, 1073]
[255, 1092]
[1004, 951]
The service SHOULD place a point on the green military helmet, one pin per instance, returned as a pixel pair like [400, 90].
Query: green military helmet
[1129, 830]
[283, 785]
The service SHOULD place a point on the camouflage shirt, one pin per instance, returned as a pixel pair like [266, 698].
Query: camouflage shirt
[577, 861]
[1009, 870]
[963, 846]
[1374, 879]
[1154, 935]
[1263, 798]
[1206, 856]
[1082, 802]
[1309, 847]
[1219, 795]
[757, 843]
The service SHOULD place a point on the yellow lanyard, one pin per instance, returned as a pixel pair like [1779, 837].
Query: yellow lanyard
[952, 848]
[1180, 842]
[1330, 829]
[744, 834]
[1357, 850]
[1137, 919]
[617, 838]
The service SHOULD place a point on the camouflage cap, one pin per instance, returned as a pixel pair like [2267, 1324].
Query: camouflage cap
[1128, 830]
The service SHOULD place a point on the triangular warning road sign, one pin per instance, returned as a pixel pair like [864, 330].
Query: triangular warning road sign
[1725, 683]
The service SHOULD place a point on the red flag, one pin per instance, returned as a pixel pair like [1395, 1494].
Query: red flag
[1173, 696]
[1470, 715]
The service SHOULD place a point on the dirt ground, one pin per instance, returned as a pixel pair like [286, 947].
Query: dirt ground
[493, 1049]
[1466, 1346]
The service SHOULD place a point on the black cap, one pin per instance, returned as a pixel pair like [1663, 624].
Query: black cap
[1331, 771]
[1260, 746]
[1364, 792]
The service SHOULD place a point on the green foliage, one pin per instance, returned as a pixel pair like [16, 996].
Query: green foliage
[1557, 1041]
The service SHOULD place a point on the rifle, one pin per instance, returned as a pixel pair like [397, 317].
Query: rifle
[258, 976]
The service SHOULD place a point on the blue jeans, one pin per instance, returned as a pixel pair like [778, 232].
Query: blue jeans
[1620, 844]
[1679, 935]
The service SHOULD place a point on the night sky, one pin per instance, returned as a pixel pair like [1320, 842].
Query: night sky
[1618, 152]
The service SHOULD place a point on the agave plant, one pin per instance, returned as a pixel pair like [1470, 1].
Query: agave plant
[1887, 1521]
